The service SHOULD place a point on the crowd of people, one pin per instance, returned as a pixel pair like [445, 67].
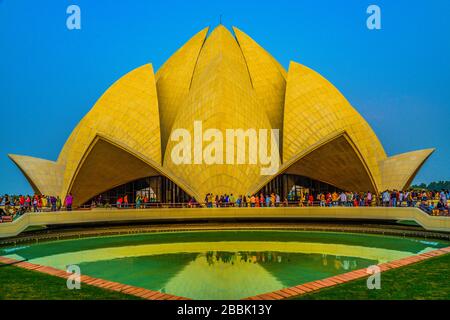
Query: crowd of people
[412, 197]
[14, 206]
[432, 202]
[268, 200]
[123, 201]
[323, 199]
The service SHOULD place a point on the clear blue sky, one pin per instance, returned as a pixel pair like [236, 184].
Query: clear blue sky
[398, 78]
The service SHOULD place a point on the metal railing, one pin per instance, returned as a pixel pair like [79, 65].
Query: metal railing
[18, 211]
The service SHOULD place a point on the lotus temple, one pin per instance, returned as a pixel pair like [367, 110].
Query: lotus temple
[177, 247]
[226, 81]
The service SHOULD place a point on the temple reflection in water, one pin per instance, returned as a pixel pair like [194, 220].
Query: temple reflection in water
[273, 257]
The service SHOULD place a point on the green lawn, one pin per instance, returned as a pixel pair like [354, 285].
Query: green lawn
[429, 280]
[21, 284]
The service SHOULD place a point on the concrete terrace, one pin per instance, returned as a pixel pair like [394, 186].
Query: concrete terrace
[431, 223]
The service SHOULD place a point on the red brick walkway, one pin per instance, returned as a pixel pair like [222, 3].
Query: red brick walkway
[345, 277]
[276, 295]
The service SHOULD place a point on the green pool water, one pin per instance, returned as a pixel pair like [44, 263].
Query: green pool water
[221, 264]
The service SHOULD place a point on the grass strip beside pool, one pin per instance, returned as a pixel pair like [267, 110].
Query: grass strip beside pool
[20, 284]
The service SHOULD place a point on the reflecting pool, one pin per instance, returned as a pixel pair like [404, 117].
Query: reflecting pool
[221, 264]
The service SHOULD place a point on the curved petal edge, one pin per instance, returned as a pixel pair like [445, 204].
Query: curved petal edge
[44, 176]
[398, 172]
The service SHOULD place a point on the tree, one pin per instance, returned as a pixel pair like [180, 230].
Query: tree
[435, 185]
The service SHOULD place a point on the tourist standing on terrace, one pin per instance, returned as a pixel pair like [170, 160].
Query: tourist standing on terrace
[321, 199]
[272, 199]
[69, 202]
[443, 196]
[43, 201]
[210, 200]
[138, 201]
[410, 199]
[310, 200]
[39, 203]
[328, 199]
[300, 201]
[125, 201]
[334, 198]
[216, 201]
[58, 203]
[394, 199]
[350, 199]
[369, 198]
[239, 201]
[424, 195]
[386, 198]
[252, 201]
[401, 198]
[406, 197]
[35, 203]
[232, 200]
[28, 203]
[191, 202]
[206, 200]
[343, 198]
[7, 202]
[119, 202]
[53, 202]
[22, 201]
